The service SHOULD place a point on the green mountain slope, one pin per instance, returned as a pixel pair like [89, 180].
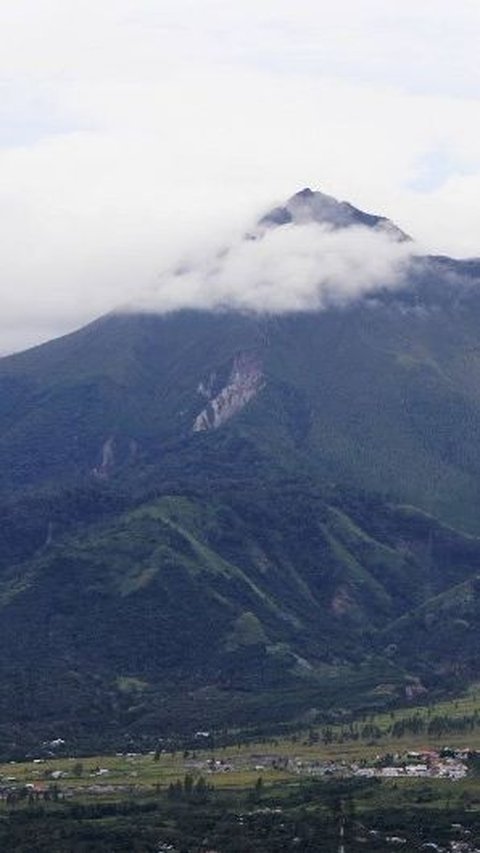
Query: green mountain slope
[383, 394]
[212, 518]
[125, 626]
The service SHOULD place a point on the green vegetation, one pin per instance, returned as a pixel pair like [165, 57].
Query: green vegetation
[314, 559]
[191, 814]
[246, 797]
[243, 609]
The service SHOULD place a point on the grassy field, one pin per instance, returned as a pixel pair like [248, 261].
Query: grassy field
[240, 766]
[132, 772]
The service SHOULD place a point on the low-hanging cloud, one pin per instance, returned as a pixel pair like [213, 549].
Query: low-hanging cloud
[294, 267]
[131, 129]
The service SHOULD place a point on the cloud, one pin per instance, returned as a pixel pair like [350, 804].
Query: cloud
[134, 130]
[294, 267]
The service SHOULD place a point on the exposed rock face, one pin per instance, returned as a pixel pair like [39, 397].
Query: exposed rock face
[108, 459]
[205, 389]
[342, 602]
[245, 382]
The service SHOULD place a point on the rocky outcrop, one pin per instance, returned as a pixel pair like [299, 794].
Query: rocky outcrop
[245, 382]
[108, 459]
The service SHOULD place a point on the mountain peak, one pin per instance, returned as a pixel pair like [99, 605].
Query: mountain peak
[306, 193]
[314, 206]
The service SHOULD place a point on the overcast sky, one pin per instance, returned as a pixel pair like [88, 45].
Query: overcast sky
[131, 129]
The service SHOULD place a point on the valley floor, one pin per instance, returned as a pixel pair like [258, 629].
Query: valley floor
[385, 782]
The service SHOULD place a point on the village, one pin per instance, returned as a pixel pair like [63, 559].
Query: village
[429, 763]
[133, 772]
[134, 776]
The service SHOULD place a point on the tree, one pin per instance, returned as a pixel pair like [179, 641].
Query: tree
[188, 784]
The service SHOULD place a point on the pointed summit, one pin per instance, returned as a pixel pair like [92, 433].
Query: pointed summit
[309, 206]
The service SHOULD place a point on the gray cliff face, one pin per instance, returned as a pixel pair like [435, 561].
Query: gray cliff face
[246, 380]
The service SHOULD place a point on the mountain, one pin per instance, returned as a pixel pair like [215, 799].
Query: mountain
[219, 517]
[308, 206]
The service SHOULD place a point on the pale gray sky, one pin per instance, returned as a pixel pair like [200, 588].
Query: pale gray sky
[132, 129]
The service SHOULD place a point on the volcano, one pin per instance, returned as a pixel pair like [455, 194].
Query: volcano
[235, 517]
